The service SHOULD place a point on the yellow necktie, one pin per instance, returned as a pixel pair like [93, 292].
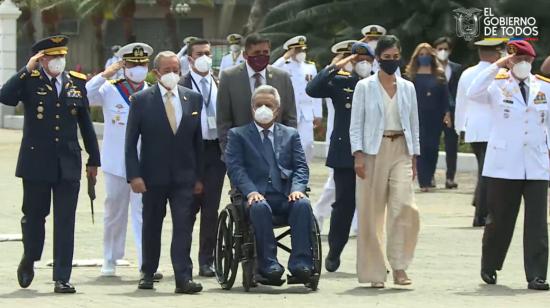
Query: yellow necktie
[170, 112]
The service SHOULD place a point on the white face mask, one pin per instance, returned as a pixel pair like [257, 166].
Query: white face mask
[373, 44]
[442, 55]
[363, 68]
[521, 70]
[203, 64]
[235, 48]
[170, 80]
[301, 57]
[263, 115]
[136, 74]
[57, 65]
[348, 67]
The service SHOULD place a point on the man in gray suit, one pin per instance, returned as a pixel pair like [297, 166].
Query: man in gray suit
[238, 83]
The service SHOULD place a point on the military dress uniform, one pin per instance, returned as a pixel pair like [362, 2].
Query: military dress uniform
[339, 86]
[50, 156]
[232, 58]
[516, 167]
[113, 96]
[307, 107]
[182, 54]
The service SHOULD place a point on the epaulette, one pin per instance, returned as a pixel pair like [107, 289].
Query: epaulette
[310, 62]
[78, 75]
[35, 73]
[542, 78]
[115, 81]
[502, 74]
[343, 73]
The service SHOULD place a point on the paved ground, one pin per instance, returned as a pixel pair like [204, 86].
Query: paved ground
[445, 270]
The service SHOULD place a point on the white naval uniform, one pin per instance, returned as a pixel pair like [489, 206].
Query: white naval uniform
[118, 192]
[518, 142]
[228, 62]
[307, 108]
[472, 116]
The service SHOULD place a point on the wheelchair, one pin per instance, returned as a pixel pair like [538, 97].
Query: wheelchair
[235, 243]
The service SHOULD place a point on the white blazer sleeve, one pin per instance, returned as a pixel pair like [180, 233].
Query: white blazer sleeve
[93, 89]
[415, 132]
[482, 82]
[357, 122]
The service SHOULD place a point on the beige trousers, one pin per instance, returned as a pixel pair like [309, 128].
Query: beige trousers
[386, 195]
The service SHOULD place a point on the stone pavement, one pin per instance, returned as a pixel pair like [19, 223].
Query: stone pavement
[445, 271]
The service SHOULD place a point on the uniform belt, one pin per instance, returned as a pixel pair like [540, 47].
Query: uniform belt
[392, 137]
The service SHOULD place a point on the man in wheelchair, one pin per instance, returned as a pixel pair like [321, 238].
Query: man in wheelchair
[266, 163]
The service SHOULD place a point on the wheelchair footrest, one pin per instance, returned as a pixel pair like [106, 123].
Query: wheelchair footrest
[295, 280]
[269, 282]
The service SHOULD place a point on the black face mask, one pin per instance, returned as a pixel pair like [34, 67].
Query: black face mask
[389, 66]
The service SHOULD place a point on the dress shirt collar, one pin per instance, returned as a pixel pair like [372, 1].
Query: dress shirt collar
[261, 129]
[163, 91]
[58, 78]
[198, 78]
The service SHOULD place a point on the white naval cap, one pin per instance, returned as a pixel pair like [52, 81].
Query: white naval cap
[343, 46]
[297, 41]
[234, 38]
[135, 52]
[373, 30]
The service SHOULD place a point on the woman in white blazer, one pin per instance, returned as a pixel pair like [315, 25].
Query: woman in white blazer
[384, 142]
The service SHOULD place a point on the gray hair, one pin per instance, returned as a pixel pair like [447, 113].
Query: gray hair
[266, 89]
[161, 55]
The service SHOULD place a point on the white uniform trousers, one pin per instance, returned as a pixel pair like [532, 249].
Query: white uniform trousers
[305, 129]
[386, 196]
[323, 207]
[115, 219]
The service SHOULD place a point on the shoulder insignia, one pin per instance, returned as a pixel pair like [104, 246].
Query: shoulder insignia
[35, 73]
[78, 75]
[543, 78]
[343, 73]
[502, 74]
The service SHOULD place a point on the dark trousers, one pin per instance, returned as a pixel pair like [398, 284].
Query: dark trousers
[480, 195]
[431, 125]
[36, 207]
[343, 209]
[504, 198]
[209, 201]
[426, 164]
[451, 146]
[183, 217]
[298, 216]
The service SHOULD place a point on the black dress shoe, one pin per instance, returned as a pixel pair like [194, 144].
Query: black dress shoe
[450, 184]
[332, 264]
[25, 272]
[538, 284]
[157, 276]
[302, 274]
[63, 287]
[188, 287]
[146, 282]
[490, 277]
[273, 273]
[479, 221]
[206, 271]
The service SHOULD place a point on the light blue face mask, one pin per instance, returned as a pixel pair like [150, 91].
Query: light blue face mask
[424, 60]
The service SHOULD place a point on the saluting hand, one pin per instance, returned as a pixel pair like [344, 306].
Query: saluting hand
[33, 61]
[503, 62]
[111, 70]
[343, 62]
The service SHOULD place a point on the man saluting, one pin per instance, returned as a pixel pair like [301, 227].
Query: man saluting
[49, 162]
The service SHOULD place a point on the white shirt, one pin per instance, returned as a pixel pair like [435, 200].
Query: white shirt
[175, 102]
[213, 94]
[229, 61]
[58, 82]
[391, 112]
[448, 71]
[252, 79]
[261, 132]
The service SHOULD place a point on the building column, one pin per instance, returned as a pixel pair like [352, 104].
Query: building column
[8, 48]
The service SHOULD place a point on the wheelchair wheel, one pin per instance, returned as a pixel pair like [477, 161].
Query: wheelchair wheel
[227, 253]
[317, 255]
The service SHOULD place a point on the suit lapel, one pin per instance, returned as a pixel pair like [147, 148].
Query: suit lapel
[534, 87]
[269, 76]
[379, 99]
[277, 140]
[65, 81]
[245, 80]
[159, 103]
[185, 107]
